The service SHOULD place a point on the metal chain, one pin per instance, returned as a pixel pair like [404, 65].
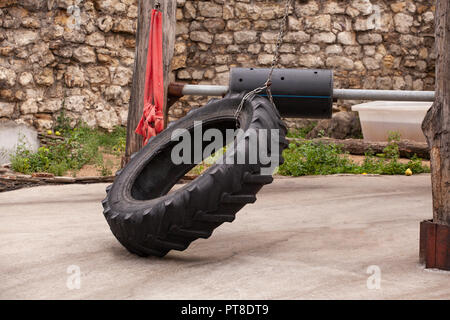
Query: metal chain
[275, 60]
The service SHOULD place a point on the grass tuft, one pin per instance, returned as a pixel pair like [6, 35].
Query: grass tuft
[80, 146]
[313, 158]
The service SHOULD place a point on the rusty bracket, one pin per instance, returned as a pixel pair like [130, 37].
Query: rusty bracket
[175, 92]
[435, 245]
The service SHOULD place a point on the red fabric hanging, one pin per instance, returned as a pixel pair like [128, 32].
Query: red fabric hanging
[152, 121]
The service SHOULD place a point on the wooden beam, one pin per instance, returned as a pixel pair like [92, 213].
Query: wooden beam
[436, 125]
[406, 148]
[435, 234]
[168, 8]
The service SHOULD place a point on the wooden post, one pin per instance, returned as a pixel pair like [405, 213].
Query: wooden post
[435, 235]
[168, 8]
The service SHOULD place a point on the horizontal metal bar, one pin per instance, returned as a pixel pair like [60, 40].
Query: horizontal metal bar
[344, 94]
[383, 95]
[204, 90]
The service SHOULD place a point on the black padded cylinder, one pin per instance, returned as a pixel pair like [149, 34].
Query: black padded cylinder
[297, 93]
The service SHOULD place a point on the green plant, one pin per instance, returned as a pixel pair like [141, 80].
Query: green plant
[208, 162]
[62, 121]
[198, 170]
[392, 150]
[301, 133]
[80, 146]
[309, 158]
[321, 133]
[44, 160]
[105, 167]
[115, 141]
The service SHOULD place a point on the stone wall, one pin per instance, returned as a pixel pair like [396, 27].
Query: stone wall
[54, 57]
[55, 54]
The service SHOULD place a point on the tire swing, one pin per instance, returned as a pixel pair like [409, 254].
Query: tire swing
[147, 218]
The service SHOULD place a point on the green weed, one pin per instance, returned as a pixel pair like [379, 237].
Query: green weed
[79, 146]
[311, 158]
[302, 132]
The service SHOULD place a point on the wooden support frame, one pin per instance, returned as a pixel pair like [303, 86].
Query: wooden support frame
[435, 234]
[168, 8]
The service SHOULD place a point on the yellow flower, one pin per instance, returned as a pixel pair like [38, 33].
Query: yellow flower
[49, 132]
[57, 133]
[408, 172]
[364, 173]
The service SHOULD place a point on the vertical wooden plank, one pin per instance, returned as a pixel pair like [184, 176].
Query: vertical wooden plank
[442, 247]
[436, 125]
[134, 141]
[430, 260]
[423, 241]
[435, 235]
[435, 245]
[168, 7]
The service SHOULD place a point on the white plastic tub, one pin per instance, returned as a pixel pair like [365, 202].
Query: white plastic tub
[380, 117]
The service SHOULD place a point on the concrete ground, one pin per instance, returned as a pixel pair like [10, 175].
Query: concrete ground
[305, 238]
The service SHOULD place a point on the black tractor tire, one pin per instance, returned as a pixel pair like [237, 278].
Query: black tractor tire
[147, 219]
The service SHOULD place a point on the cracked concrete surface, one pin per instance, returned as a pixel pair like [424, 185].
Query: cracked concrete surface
[305, 238]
